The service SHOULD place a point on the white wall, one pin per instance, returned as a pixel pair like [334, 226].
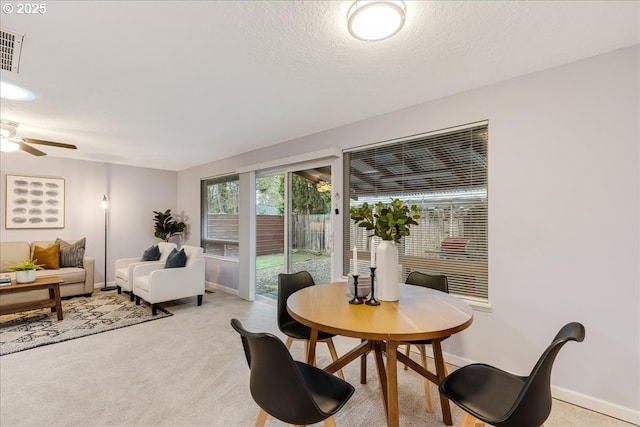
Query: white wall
[133, 193]
[564, 218]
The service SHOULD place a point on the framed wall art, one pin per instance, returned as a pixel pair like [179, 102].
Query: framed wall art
[34, 202]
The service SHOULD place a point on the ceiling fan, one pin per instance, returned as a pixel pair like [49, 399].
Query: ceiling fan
[11, 142]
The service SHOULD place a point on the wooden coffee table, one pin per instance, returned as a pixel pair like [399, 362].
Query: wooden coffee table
[54, 302]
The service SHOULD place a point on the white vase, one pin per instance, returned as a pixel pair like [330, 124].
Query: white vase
[387, 282]
[25, 276]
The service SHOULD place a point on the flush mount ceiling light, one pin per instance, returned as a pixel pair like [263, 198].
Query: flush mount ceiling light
[375, 20]
[14, 92]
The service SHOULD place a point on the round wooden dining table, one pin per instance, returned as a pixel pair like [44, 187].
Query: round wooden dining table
[419, 314]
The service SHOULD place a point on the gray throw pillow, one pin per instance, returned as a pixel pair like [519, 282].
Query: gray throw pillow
[71, 254]
[177, 258]
[151, 254]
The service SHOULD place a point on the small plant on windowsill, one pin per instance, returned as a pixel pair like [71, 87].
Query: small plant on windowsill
[390, 221]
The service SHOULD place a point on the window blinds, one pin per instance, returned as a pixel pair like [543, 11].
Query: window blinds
[445, 175]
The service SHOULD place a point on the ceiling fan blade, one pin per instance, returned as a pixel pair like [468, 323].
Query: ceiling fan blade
[50, 143]
[28, 149]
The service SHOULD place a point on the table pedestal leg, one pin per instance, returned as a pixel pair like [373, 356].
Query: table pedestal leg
[311, 354]
[392, 384]
[382, 374]
[441, 372]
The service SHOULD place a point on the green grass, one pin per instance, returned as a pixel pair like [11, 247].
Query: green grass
[269, 261]
[277, 260]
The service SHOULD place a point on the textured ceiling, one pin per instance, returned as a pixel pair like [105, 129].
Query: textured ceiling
[175, 84]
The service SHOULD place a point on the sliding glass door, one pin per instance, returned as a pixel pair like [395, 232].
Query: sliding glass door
[293, 226]
[309, 228]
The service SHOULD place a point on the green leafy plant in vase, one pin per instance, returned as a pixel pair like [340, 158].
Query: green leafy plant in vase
[165, 226]
[390, 222]
[25, 271]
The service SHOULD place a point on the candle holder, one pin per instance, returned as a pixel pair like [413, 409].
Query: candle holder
[355, 299]
[372, 299]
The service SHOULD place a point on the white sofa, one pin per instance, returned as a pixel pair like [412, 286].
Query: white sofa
[124, 267]
[77, 280]
[155, 284]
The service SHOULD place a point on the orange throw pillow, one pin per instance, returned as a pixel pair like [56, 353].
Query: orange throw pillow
[48, 258]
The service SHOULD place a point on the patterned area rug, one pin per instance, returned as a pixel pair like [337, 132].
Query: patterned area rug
[82, 316]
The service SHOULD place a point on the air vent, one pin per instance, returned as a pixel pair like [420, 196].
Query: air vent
[10, 49]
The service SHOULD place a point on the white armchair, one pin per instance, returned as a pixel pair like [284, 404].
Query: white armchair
[156, 284]
[124, 267]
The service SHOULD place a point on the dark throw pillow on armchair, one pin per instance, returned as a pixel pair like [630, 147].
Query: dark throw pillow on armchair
[151, 254]
[177, 258]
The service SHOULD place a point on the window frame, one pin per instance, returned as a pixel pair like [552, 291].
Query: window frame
[226, 242]
[476, 267]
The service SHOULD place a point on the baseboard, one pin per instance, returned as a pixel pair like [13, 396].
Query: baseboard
[588, 402]
[101, 284]
[597, 405]
[212, 286]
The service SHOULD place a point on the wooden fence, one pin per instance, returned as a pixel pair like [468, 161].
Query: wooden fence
[310, 233]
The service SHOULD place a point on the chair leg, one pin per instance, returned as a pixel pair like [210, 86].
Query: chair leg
[332, 351]
[137, 300]
[119, 289]
[200, 299]
[131, 296]
[469, 420]
[334, 355]
[261, 419]
[330, 422]
[154, 309]
[427, 384]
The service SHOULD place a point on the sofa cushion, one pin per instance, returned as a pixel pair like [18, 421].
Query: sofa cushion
[176, 259]
[47, 258]
[123, 273]
[142, 282]
[151, 254]
[71, 254]
[68, 274]
[13, 253]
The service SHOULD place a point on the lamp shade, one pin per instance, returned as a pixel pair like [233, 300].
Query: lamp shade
[375, 19]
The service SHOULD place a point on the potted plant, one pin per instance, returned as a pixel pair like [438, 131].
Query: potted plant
[390, 222]
[25, 271]
[166, 226]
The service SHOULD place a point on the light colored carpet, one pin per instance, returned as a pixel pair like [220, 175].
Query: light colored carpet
[82, 316]
[190, 370]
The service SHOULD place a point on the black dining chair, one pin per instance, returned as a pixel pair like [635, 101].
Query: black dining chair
[502, 399]
[440, 283]
[288, 283]
[288, 390]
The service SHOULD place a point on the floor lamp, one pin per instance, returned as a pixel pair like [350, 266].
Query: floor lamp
[104, 205]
